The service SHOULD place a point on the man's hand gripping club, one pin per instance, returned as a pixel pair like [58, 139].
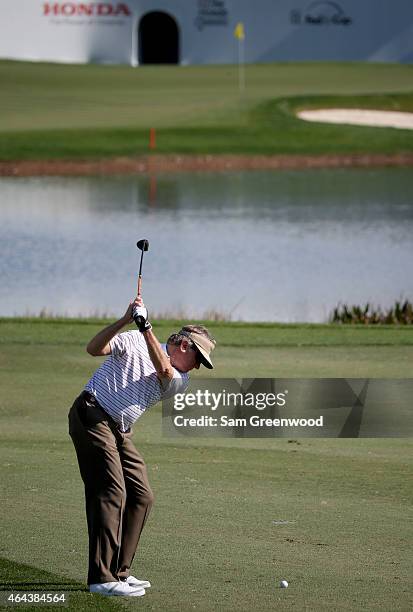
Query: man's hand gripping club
[140, 315]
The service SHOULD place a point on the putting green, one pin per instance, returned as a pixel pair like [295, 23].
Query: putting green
[87, 112]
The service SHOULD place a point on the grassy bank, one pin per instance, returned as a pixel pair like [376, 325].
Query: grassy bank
[214, 540]
[85, 112]
[62, 332]
[265, 350]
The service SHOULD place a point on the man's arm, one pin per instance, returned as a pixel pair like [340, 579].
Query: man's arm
[158, 356]
[99, 345]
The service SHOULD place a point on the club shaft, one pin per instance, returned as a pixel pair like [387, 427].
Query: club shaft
[140, 265]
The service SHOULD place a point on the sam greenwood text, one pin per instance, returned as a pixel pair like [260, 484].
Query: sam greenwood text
[253, 421]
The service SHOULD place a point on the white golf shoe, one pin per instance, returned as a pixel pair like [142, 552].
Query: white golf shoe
[117, 589]
[136, 582]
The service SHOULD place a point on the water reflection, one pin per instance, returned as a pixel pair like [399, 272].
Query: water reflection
[283, 246]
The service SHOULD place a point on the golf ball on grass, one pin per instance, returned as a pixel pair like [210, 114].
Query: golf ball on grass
[283, 584]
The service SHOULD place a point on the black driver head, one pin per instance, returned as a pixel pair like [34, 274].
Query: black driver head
[143, 245]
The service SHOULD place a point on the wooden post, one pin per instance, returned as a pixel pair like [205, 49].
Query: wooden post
[152, 139]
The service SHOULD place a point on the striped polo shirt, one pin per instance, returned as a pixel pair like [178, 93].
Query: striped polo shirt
[126, 384]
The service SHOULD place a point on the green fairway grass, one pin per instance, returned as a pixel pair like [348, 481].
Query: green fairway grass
[213, 541]
[50, 111]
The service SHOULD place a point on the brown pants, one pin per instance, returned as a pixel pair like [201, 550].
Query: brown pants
[117, 491]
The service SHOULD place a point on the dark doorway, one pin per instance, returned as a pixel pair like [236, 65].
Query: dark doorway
[158, 39]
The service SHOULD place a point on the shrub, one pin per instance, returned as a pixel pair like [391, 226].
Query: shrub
[399, 314]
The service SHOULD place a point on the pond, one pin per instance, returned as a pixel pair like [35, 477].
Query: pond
[255, 246]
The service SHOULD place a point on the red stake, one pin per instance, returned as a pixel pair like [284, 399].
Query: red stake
[152, 139]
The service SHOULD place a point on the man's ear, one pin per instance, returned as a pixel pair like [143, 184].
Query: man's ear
[184, 345]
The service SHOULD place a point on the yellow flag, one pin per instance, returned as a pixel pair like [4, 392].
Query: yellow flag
[239, 31]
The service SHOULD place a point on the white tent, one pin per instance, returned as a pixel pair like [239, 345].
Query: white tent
[202, 31]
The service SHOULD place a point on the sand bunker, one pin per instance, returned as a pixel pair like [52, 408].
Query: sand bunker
[356, 116]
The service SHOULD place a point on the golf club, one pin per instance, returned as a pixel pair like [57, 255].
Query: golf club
[143, 245]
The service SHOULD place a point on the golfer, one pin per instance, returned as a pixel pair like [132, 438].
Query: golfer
[138, 373]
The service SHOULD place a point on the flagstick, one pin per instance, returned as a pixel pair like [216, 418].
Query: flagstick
[241, 67]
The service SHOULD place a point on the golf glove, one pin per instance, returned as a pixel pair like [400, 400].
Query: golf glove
[140, 316]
